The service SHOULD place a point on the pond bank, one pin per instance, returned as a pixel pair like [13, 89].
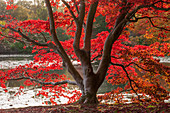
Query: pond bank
[28, 97]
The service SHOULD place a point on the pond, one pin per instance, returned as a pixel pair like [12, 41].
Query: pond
[28, 98]
[11, 61]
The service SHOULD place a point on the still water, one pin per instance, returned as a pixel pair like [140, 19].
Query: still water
[11, 61]
[28, 98]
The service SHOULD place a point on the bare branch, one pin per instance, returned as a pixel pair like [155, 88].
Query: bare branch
[14, 39]
[160, 8]
[96, 57]
[150, 20]
[130, 80]
[149, 70]
[157, 26]
[45, 39]
[116, 57]
[61, 50]
[79, 25]
[76, 6]
[46, 83]
[71, 12]
[89, 26]
[26, 37]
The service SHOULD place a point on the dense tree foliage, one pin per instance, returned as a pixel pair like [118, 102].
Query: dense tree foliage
[25, 10]
[113, 47]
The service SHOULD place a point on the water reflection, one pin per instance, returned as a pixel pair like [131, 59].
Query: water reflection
[11, 61]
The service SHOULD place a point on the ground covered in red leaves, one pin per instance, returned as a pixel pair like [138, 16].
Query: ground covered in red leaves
[101, 108]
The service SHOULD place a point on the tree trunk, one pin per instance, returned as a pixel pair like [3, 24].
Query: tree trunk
[90, 90]
[90, 79]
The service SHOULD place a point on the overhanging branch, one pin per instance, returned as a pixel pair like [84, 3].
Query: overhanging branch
[130, 80]
[149, 70]
[160, 8]
[132, 13]
[155, 7]
[150, 20]
[46, 83]
[24, 36]
[157, 26]
[14, 39]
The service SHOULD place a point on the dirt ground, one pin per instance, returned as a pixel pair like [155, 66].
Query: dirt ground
[101, 108]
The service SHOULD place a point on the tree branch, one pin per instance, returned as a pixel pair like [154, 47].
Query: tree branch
[76, 6]
[61, 50]
[24, 36]
[96, 57]
[82, 12]
[149, 70]
[45, 39]
[132, 13]
[14, 39]
[71, 12]
[155, 7]
[79, 26]
[150, 20]
[112, 37]
[46, 83]
[159, 8]
[116, 57]
[89, 26]
[130, 80]
[157, 26]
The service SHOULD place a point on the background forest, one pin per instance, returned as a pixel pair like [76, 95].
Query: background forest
[28, 10]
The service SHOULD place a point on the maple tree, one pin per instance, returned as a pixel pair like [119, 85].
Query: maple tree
[117, 56]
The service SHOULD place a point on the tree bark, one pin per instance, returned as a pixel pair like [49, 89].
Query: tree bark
[90, 89]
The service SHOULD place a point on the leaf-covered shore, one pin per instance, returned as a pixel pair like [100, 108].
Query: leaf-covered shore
[101, 108]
